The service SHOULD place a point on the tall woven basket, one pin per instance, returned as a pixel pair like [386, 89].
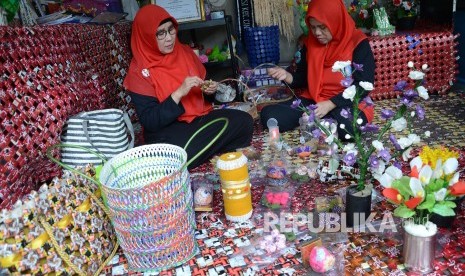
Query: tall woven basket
[149, 197]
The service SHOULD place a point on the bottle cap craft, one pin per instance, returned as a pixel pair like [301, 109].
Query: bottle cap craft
[235, 186]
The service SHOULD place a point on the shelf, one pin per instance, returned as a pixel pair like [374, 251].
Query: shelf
[202, 24]
[226, 63]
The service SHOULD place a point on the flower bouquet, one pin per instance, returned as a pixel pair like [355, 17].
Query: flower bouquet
[405, 8]
[367, 151]
[362, 13]
[431, 187]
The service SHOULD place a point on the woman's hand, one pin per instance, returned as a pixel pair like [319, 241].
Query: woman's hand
[185, 87]
[280, 74]
[323, 108]
[209, 87]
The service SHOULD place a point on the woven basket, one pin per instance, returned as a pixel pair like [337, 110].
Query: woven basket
[265, 95]
[148, 193]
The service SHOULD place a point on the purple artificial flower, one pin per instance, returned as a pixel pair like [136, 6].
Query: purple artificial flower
[345, 113]
[413, 45]
[387, 114]
[316, 133]
[295, 104]
[368, 101]
[397, 164]
[406, 101]
[393, 140]
[420, 112]
[400, 86]
[347, 70]
[357, 67]
[369, 127]
[384, 154]
[410, 94]
[349, 159]
[374, 162]
[311, 107]
[347, 81]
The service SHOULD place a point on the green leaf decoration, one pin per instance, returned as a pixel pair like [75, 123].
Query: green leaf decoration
[400, 112]
[443, 210]
[403, 212]
[435, 186]
[11, 7]
[447, 203]
[428, 203]
[403, 186]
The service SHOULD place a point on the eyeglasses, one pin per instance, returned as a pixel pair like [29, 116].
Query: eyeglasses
[162, 33]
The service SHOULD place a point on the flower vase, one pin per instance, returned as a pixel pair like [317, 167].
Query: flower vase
[419, 247]
[406, 23]
[358, 205]
[446, 221]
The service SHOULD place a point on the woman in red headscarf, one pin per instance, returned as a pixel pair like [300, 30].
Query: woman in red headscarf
[333, 37]
[167, 87]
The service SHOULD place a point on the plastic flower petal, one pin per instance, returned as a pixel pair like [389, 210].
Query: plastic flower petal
[458, 189]
[378, 145]
[406, 154]
[440, 195]
[450, 166]
[399, 124]
[437, 173]
[417, 188]
[416, 162]
[393, 195]
[423, 92]
[416, 75]
[425, 175]
[413, 202]
[339, 65]
[368, 86]
[349, 93]
[454, 179]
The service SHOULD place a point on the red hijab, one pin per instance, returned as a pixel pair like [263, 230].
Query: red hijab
[152, 73]
[322, 82]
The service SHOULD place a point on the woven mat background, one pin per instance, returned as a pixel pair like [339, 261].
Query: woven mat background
[364, 254]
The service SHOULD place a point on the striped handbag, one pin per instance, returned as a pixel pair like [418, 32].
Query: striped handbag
[104, 131]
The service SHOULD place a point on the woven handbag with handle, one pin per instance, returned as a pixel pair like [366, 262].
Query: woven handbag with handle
[63, 228]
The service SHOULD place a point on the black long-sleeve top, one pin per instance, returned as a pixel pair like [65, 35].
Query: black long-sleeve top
[362, 55]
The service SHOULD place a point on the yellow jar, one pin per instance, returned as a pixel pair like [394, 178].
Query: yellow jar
[235, 185]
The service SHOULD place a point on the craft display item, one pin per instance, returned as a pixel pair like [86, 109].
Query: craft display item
[306, 248]
[61, 229]
[305, 172]
[273, 242]
[277, 198]
[277, 174]
[321, 259]
[203, 195]
[206, 84]
[235, 186]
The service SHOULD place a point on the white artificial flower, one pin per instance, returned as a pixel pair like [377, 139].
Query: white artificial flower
[339, 65]
[425, 175]
[342, 126]
[377, 145]
[416, 162]
[359, 121]
[441, 194]
[416, 75]
[326, 124]
[329, 139]
[404, 142]
[423, 92]
[349, 93]
[380, 169]
[348, 147]
[399, 124]
[391, 173]
[416, 187]
[406, 154]
[454, 179]
[424, 67]
[427, 133]
[414, 138]
[450, 166]
[410, 64]
[412, 114]
[368, 86]
[347, 136]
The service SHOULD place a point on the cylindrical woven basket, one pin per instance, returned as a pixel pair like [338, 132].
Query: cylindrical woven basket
[262, 45]
[150, 201]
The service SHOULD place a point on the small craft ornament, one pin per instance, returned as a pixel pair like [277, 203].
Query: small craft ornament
[273, 242]
[203, 196]
[321, 260]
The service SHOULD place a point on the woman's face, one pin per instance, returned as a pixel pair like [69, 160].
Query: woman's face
[320, 31]
[166, 37]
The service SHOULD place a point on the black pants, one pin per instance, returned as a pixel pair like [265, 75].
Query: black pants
[238, 134]
[288, 117]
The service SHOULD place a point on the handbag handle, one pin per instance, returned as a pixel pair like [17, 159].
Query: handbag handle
[226, 123]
